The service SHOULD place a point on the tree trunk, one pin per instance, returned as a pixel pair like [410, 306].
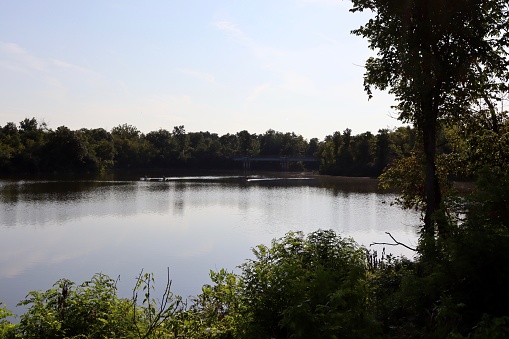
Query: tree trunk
[433, 195]
[431, 183]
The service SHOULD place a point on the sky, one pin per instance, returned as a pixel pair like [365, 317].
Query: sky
[221, 66]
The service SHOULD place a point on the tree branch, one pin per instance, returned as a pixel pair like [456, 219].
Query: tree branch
[396, 243]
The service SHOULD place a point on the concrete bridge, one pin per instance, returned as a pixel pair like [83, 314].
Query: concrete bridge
[283, 160]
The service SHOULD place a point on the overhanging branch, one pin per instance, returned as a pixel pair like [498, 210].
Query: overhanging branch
[396, 243]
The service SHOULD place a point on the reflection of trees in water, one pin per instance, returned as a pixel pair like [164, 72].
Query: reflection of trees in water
[62, 191]
[54, 202]
[179, 190]
[340, 185]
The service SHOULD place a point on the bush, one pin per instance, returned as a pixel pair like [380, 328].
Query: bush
[307, 287]
[89, 310]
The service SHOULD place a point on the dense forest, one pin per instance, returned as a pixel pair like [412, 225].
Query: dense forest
[31, 147]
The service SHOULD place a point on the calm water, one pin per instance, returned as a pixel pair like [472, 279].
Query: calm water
[73, 229]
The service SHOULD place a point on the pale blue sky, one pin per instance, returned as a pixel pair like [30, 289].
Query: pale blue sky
[212, 65]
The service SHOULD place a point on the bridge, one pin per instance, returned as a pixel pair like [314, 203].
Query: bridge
[283, 160]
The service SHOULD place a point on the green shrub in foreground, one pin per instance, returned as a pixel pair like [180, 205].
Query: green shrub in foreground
[307, 287]
[89, 310]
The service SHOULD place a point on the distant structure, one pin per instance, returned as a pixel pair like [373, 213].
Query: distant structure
[284, 161]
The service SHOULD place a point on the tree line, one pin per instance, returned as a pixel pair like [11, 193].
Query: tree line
[32, 147]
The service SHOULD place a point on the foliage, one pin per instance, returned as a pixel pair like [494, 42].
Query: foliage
[406, 175]
[460, 288]
[365, 154]
[7, 329]
[34, 148]
[65, 149]
[218, 312]
[482, 147]
[89, 310]
[438, 59]
[93, 310]
[307, 287]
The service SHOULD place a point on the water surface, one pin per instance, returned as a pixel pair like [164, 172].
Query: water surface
[51, 229]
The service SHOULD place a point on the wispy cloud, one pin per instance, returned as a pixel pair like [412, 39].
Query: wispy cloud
[13, 57]
[17, 58]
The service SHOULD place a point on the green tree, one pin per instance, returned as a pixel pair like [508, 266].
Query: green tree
[132, 149]
[10, 145]
[327, 156]
[345, 157]
[382, 150]
[229, 145]
[292, 144]
[363, 150]
[248, 143]
[65, 150]
[101, 149]
[33, 137]
[182, 140]
[430, 54]
[164, 146]
[312, 147]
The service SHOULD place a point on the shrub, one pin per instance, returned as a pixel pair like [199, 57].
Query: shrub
[307, 287]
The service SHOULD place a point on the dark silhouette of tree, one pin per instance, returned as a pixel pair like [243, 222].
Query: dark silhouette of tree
[248, 143]
[270, 143]
[182, 140]
[132, 149]
[65, 150]
[312, 147]
[164, 145]
[430, 55]
[101, 149]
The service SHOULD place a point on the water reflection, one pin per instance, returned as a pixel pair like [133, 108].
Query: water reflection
[14, 192]
[51, 229]
[342, 185]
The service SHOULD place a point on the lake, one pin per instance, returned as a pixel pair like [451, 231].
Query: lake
[52, 229]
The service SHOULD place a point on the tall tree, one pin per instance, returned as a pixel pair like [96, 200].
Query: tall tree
[182, 139]
[430, 54]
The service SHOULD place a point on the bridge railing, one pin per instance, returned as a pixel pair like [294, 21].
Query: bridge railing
[283, 160]
[289, 158]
